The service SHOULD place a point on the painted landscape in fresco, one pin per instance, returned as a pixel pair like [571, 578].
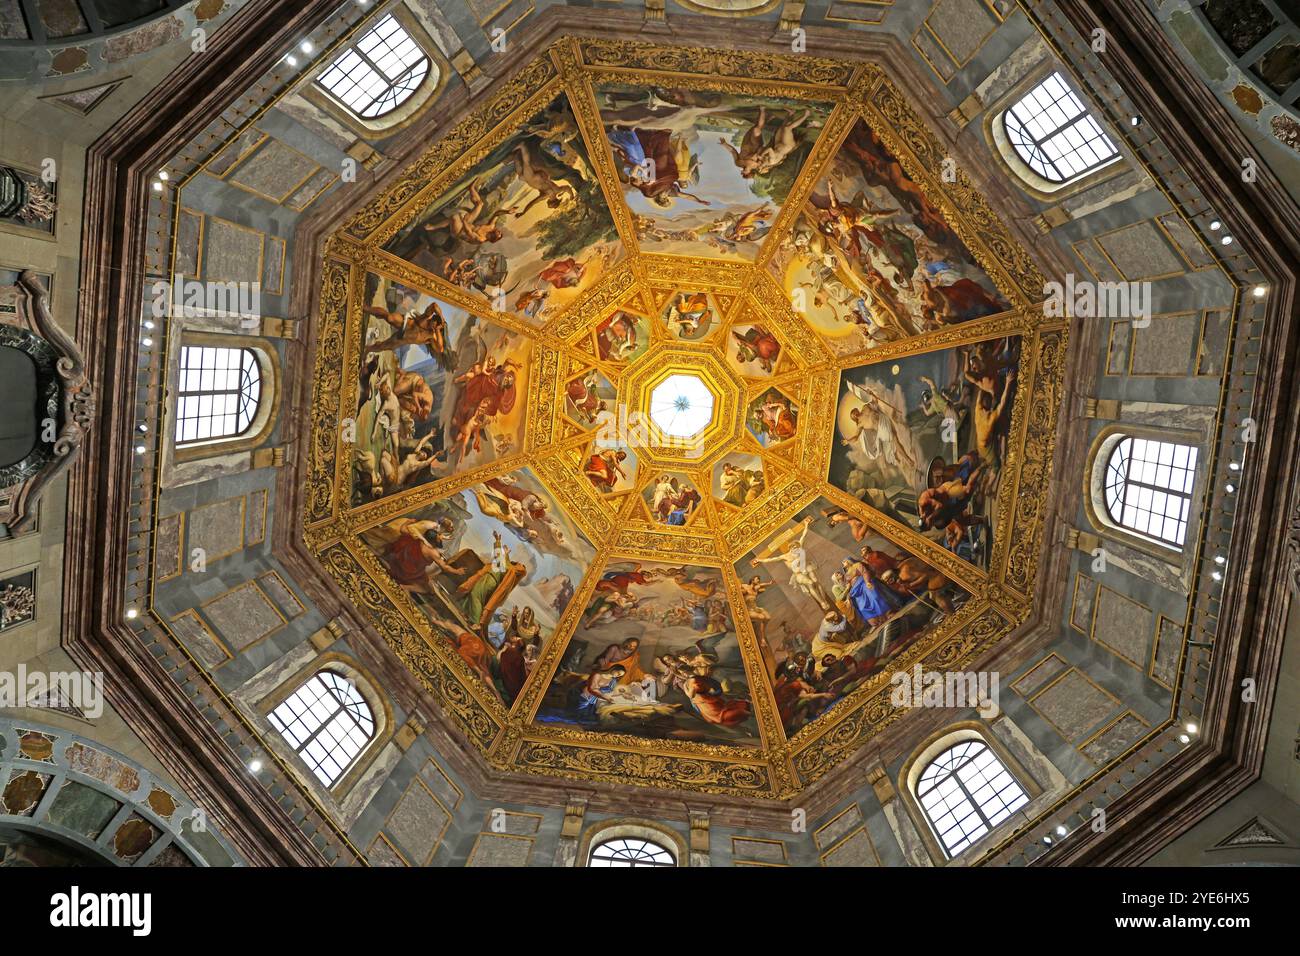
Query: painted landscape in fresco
[440, 390]
[703, 172]
[655, 655]
[831, 603]
[493, 568]
[528, 228]
[870, 259]
[923, 440]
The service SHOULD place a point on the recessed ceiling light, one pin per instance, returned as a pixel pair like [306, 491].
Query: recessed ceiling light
[131, 614]
[1261, 291]
[1215, 226]
[255, 766]
[1191, 727]
[305, 46]
[1226, 240]
[291, 60]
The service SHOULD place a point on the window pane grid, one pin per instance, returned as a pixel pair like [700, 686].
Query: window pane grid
[1054, 134]
[965, 792]
[379, 72]
[327, 723]
[1148, 487]
[219, 392]
[629, 851]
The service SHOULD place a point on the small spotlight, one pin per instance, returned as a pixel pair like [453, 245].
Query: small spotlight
[1184, 739]
[148, 324]
[255, 766]
[139, 449]
[1216, 575]
[132, 614]
[1061, 831]
[1226, 240]
[305, 46]
[1220, 559]
[143, 428]
[162, 174]
[1135, 121]
[147, 343]
[1047, 840]
[1234, 466]
[1230, 488]
[157, 187]
[291, 60]
[1216, 226]
[1261, 291]
[1191, 727]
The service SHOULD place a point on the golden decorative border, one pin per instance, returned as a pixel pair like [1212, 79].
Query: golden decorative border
[618, 525]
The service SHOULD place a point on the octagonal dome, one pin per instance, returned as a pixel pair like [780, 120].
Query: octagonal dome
[640, 400]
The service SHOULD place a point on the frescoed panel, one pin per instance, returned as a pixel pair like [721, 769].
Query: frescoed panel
[609, 464]
[691, 316]
[738, 479]
[772, 417]
[655, 655]
[753, 350]
[703, 172]
[493, 567]
[870, 258]
[831, 603]
[528, 228]
[672, 499]
[923, 440]
[589, 397]
[440, 390]
[622, 337]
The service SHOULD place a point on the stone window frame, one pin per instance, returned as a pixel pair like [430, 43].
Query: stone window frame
[268, 408]
[637, 829]
[1020, 172]
[909, 776]
[367, 687]
[411, 109]
[1094, 490]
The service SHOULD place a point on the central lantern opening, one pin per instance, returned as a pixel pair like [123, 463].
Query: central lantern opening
[681, 406]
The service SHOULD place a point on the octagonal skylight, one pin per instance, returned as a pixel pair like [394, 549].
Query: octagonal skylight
[681, 406]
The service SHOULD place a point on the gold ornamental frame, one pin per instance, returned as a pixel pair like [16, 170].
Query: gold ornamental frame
[617, 525]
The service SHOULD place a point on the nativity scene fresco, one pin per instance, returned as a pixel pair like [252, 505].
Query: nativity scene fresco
[493, 568]
[528, 229]
[705, 172]
[655, 655]
[831, 603]
[871, 259]
[440, 390]
[923, 440]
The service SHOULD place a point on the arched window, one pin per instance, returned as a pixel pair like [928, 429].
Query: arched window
[1053, 132]
[379, 72]
[630, 851]
[219, 393]
[1148, 487]
[965, 792]
[327, 722]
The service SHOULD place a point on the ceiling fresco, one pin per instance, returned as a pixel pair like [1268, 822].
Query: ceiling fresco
[655, 422]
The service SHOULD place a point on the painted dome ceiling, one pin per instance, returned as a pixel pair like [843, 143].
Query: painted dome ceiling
[654, 418]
